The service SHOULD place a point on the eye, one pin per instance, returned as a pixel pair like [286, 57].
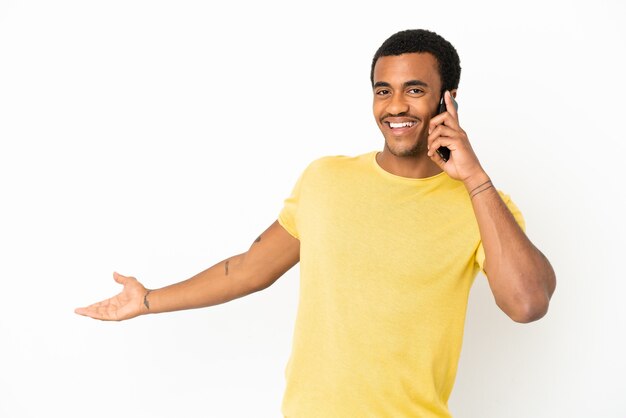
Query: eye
[382, 92]
[416, 91]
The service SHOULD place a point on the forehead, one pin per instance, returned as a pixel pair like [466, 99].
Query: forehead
[396, 69]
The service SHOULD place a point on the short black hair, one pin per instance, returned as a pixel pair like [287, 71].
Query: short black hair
[422, 40]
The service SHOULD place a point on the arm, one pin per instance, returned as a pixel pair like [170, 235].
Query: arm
[271, 255]
[520, 276]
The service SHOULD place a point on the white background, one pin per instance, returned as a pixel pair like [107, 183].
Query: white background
[157, 138]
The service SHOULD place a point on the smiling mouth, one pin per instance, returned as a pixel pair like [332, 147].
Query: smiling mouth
[399, 125]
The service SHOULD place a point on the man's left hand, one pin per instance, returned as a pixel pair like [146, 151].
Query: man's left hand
[444, 131]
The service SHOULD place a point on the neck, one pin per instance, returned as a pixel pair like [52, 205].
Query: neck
[414, 166]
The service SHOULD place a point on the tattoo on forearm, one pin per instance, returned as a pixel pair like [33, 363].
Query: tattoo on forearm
[479, 186]
[482, 190]
[145, 300]
[226, 267]
[258, 239]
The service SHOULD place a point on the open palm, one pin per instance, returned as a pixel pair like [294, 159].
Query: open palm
[125, 305]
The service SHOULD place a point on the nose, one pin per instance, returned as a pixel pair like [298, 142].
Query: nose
[397, 105]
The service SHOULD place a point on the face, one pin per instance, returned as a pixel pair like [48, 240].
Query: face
[407, 90]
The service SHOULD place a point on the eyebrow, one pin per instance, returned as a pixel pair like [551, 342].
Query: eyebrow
[405, 85]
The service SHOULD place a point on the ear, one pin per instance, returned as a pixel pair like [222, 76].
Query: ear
[453, 93]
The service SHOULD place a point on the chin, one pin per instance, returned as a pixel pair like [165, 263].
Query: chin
[405, 151]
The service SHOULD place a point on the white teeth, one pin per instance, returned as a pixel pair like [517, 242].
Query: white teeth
[400, 125]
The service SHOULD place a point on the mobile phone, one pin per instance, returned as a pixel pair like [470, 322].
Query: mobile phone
[444, 152]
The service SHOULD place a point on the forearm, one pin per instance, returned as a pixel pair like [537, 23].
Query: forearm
[220, 283]
[521, 278]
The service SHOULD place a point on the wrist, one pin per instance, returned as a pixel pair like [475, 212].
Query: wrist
[476, 181]
[146, 303]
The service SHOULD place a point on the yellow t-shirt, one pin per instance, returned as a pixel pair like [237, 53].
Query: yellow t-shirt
[386, 266]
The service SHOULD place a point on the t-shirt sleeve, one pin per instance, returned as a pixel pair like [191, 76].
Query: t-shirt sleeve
[480, 252]
[287, 217]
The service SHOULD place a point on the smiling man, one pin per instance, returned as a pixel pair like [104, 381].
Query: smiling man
[389, 244]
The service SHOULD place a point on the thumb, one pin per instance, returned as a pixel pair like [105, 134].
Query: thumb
[119, 278]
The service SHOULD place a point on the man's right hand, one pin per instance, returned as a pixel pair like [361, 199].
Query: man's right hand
[127, 304]
[272, 254]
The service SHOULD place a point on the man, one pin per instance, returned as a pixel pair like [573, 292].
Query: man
[389, 244]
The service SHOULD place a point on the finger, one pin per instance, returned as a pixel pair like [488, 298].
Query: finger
[437, 158]
[444, 118]
[81, 311]
[440, 131]
[441, 141]
[95, 314]
[93, 306]
[120, 279]
[90, 312]
[436, 121]
[451, 105]
[94, 309]
[104, 313]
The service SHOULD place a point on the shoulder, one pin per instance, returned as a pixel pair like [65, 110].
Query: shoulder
[334, 163]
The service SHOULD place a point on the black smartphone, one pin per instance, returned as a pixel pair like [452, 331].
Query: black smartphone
[444, 152]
